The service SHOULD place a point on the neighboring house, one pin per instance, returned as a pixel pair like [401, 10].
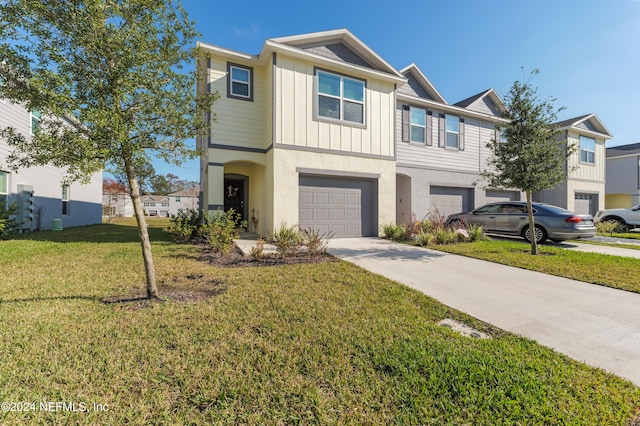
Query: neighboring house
[304, 134]
[442, 150]
[182, 201]
[42, 187]
[622, 187]
[155, 205]
[117, 204]
[584, 189]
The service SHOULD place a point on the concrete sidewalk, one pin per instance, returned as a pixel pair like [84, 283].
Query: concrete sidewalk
[593, 324]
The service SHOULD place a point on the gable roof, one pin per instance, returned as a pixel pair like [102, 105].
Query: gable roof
[423, 81]
[487, 101]
[624, 150]
[588, 124]
[306, 42]
[189, 192]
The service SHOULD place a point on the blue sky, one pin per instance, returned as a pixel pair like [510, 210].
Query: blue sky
[587, 51]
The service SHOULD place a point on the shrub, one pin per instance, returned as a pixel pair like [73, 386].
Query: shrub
[314, 241]
[476, 233]
[608, 227]
[221, 228]
[185, 226]
[424, 239]
[445, 236]
[8, 223]
[287, 239]
[257, 251]
[394, 232]
[437, 220]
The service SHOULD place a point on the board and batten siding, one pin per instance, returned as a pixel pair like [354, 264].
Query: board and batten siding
[472, 159]
[240, 123]
[591, 172]
[294, 112]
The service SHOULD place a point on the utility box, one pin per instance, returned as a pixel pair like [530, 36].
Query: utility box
[26, 207]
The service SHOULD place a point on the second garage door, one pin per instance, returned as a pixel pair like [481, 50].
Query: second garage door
[496, 195]
[448, 200]
[345, 206]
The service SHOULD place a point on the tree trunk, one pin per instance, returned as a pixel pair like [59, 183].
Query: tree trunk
[134, 190]
[532, 226]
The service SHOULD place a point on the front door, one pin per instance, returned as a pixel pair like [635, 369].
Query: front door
[234, 196]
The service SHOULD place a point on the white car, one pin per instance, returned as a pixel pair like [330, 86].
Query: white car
[626, 218]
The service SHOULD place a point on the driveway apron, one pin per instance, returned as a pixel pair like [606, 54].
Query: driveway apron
[593, 324]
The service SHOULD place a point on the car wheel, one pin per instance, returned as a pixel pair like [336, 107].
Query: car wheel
[540, 233]
[457, 223]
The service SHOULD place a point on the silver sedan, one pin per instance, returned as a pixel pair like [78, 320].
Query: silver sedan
[510, 218]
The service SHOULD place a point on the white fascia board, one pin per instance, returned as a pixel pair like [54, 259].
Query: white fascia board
[450, 108]
[584, 132]
[425, 81]
[271, 46]
[228, 53]
[619, 157]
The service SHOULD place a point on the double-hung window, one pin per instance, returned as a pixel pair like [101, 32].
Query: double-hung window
[4, 187]
[65, 200]
[239, 82]
[452, 131]
[587, 150]
[418, 117]
[340, 98]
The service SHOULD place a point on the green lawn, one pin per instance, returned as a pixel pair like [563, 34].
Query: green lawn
[301, 344]
[610, 271]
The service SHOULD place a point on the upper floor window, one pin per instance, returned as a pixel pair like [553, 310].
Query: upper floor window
[36, 118]
[418, 125]
[4, 187]
[452, 131]
[587, 150]
[239, 82]
[340, 98]
[177, 199]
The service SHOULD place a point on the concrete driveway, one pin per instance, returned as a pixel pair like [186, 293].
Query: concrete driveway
[593, 324]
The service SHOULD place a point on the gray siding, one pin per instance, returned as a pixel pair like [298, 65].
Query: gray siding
[414, 88]
[622, 175]
[484, 105]
[340, 52]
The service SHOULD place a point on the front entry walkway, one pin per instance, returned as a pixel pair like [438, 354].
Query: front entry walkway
[593, 324]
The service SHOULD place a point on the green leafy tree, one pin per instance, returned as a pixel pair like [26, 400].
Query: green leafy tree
[529, 156]
[114, 69]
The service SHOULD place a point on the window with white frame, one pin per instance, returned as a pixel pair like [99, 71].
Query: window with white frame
[36, 118]
[587, 150]
[4, 187]
[340, 97]
[65, 200]
[452, 131]
[418, 119]
[239, 82]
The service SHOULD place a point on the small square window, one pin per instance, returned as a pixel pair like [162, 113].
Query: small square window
[239, 82]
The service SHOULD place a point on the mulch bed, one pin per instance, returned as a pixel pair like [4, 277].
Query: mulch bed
[235, 259]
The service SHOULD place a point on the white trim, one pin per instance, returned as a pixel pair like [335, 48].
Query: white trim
[232, 80]
[439, 107]
[425, 81]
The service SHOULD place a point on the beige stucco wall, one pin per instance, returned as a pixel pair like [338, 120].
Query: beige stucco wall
[286, 179]
[574, 187]
[618, 201]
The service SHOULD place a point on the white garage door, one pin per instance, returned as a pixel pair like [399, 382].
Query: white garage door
[448, 200]
[347, 207]
[496, 196]
[585, 204]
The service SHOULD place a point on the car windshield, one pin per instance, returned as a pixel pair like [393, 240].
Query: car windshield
[635, 208]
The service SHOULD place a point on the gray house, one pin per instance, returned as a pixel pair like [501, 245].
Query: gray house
[441, 150]
[40, 191]
[623, 176]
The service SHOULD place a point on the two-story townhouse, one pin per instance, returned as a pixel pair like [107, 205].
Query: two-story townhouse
[184, 200]
[155, 205]
[442, 150]
[117, 204]
[304, 134]
[43, 187]
[622, 187]
[584, 189]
